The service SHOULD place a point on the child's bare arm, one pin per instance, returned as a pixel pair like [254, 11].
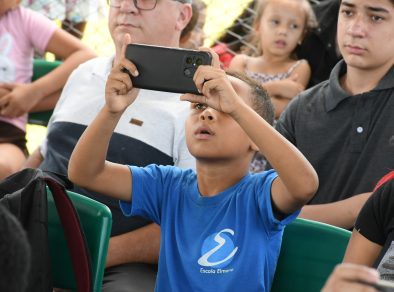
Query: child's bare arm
[281, 93]
[23, 97]
[88, 167]
[301, 74]
[238, 63]
[285, 88]
[291, 86]
[297, 181]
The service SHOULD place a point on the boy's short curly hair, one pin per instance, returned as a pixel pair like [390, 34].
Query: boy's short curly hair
[261, 101]
[14, 253]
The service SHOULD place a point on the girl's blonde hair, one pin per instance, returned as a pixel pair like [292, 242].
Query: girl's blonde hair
[255, 40]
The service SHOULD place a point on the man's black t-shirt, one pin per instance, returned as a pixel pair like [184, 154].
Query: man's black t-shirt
[376, 223]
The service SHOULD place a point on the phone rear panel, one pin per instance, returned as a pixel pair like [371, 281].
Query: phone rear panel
[166, 69]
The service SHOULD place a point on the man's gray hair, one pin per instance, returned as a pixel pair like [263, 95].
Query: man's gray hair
[185, 1]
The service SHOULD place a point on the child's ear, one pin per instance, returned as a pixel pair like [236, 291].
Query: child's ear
[185, 14]
[256, 26]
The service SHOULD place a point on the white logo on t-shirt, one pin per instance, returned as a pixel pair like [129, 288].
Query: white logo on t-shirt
[218, 249]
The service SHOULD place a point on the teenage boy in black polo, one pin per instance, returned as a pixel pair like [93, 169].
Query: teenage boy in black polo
[345, 126]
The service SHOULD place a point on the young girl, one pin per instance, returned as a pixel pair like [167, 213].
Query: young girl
[21, 32]
[280, 25]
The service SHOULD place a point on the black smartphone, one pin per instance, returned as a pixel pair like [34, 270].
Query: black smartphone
[166, 69]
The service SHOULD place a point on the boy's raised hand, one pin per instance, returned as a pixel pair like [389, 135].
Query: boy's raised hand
[119, 90]
[215, 86]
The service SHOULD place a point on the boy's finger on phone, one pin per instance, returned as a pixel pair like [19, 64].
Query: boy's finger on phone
[125, 79]
[208, 86]
[204, 75]
[126, 41]
[215, 58]
[118, 86]
[128, 67]
[193, 98]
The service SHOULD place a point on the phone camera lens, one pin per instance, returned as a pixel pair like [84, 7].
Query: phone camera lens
[198, 61]
[188, 72]
[189, 60]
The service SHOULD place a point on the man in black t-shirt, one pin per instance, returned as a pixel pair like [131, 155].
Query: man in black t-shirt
[371, 243]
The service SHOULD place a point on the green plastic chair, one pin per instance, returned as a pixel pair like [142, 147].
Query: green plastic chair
[310, 251]
[96, 222]
[40, 68]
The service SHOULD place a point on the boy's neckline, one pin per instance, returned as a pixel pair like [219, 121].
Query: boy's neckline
[217, 198]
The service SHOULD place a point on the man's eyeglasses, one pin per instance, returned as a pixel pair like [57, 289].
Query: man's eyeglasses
[141, 4]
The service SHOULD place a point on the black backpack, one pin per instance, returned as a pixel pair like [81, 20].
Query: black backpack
[24, 194]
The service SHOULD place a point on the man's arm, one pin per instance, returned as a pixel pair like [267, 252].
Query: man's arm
[361, 250]
[138, 246]
[342, 213]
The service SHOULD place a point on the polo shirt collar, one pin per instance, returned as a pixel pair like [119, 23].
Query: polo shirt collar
[337, 93]
[103, 67]
[387, 81]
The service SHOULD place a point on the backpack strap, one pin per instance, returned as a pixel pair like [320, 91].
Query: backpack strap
[74, 235]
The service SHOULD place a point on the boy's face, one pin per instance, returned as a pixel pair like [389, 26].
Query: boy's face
[213, 135]
[366, 33]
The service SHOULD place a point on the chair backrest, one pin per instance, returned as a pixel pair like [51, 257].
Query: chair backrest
[310, 251]
[40, 68]
[96, 222]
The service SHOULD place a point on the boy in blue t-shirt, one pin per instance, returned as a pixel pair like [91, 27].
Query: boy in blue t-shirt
[221, 227]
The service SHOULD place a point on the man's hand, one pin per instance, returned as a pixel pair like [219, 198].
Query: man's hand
[119, 90]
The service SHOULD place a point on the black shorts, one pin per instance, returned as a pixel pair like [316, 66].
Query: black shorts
[13, 135]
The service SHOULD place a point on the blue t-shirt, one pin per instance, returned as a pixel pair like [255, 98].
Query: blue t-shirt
[228, 242]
